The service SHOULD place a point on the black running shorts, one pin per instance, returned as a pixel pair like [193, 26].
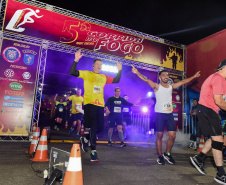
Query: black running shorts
[59, 115]
[164, 119]
[76, 117]
[94, 117]
[114, 118]
[209, 121]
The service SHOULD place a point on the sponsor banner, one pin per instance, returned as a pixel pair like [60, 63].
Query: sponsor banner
[18, 70]
[21, 18]
[13, 98]
[12, 104]
[177, 98]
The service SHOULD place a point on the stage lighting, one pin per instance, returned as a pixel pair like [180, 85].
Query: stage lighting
[144, 109]
[65, 95]
[149, 94]
[109, 68]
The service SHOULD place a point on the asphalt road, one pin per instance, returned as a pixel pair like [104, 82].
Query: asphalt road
[134, 165]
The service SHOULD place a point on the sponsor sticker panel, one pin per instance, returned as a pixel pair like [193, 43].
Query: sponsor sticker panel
[19, 62]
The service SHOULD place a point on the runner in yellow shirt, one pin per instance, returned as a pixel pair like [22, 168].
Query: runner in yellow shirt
[77, 100]
[93, 99]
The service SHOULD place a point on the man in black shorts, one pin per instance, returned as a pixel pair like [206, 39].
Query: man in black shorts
[59, 112]
[163, 111]
[114, 106]
[211, 101]
[94, 83]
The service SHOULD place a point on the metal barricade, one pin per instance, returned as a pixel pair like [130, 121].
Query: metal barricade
[140, 122]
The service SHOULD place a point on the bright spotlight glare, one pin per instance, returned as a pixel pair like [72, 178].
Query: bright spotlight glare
[145, 109]
[149, 94]
[65, 95]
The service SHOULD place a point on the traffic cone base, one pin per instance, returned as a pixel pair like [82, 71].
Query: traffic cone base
[201, 144]
[41, 154]
[82, 130]
[66, 125]
[77, 177]
[34, 141]
[73, 175]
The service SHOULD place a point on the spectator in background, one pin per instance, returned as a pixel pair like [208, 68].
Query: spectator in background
[197, 129]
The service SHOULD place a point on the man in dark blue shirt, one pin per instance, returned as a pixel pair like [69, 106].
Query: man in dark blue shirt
[114, 106]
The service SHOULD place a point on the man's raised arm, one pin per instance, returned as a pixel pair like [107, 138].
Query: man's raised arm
[186, 80]
[118, 76]
[152, 84]
[73, 71]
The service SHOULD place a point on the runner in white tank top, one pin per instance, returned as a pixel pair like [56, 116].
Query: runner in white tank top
[163, 110]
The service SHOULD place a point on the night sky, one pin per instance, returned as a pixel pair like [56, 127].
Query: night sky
[184, 22]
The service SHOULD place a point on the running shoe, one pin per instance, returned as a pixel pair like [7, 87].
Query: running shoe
[94, 157]
[109, 143]
[122, 144]
[220, 179]
[71, 130]
[161, 160]
[78, 136]
[84, 144]
[169, 158]
[198, 165]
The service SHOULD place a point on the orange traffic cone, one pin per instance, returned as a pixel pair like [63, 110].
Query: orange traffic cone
[66, 125]
[201, 144]
[33, 130]
[41, 154]
[73, 175]
[86, 131]
[34, 141]
[82, 130]
[34, 127]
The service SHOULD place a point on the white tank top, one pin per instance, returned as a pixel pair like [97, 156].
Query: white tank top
[164, 100]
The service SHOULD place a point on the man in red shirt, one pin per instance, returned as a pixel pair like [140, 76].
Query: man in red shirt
[211, 100]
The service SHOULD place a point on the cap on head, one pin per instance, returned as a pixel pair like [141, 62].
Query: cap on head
[222, 64]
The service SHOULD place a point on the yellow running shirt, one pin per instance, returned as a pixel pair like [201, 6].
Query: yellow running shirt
[76, 101]
[94, 87]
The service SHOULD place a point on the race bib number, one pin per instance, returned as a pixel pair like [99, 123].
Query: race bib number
[125, 110]
[97, 89]
[167, 107]
[117, 109]
[61, 109]
[77, 105]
